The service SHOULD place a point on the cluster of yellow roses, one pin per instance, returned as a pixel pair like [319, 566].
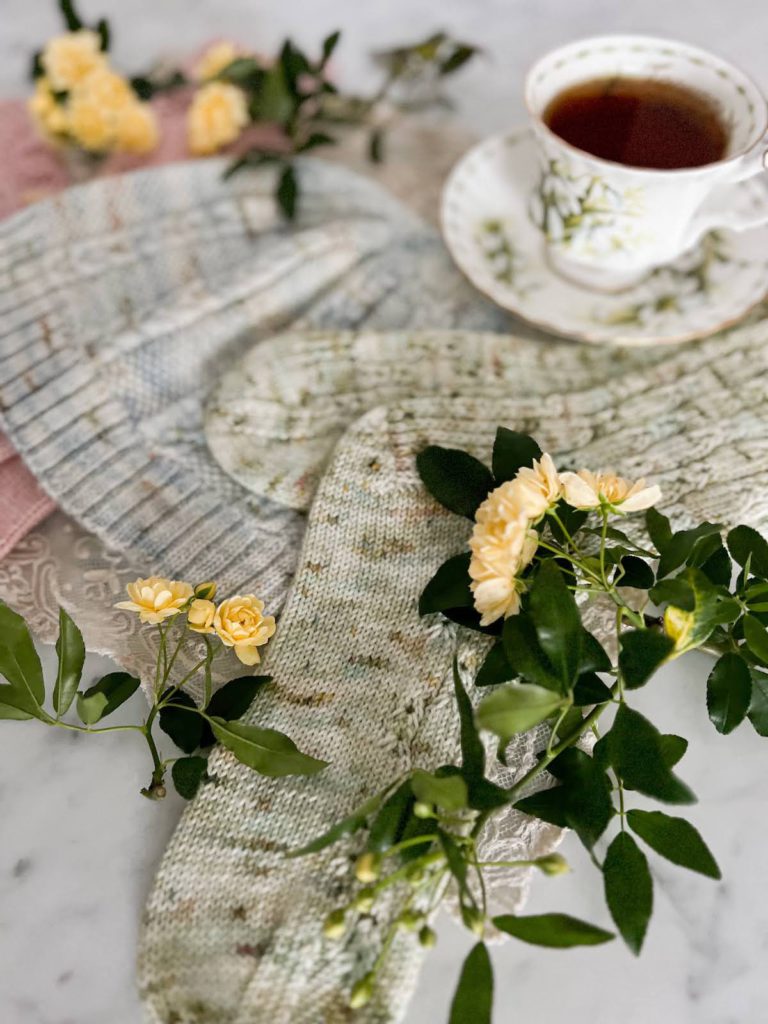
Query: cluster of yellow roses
[239, 622]
[504, 540]
[219, 110]
[79, 99]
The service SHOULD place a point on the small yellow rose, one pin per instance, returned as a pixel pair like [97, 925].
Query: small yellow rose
[107, 88]
[240, 623]
[90, 123]
[214, 60]
[156, 598]
[537, 488]
[589, 490]
[218, 114]
[200, 615]
[135, 128]
[503, 543]
[48, 113]
[68, 58]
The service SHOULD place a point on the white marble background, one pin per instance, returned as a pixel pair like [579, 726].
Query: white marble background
[78, 844]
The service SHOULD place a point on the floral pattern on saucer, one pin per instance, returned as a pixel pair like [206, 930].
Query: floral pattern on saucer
[488, 211]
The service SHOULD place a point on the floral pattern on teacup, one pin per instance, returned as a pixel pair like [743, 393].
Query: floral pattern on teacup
[583, 213]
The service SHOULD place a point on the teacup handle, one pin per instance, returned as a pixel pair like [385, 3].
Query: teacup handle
[725, 208]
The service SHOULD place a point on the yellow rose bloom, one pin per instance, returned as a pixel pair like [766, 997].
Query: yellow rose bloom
[214, 60]
[503, 543]
[240, 623]
[588, 490]
[135, 129]
[106, 87]
[67, 59]
[200, 615]
[218, 114]
[90, 124]
[156, 599]
[48, 113]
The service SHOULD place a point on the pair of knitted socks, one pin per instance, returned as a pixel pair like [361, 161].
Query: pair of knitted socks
[232, 929]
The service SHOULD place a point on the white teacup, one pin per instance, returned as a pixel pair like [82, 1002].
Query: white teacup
[607, 224]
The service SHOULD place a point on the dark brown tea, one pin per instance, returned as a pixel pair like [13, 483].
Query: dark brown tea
[641, 122]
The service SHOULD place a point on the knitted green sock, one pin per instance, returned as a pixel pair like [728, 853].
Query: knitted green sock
[233, 929]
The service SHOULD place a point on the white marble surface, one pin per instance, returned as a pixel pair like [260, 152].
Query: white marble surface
[78, 844]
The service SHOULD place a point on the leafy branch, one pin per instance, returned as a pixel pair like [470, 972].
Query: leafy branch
[192, 726]
[673, 591]
[295, 92]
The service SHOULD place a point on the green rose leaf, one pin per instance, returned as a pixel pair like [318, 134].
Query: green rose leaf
[20, 665]
[511, 451]
[9, 711]
[472, 750]
[473, 999]
[329, 45]
[457, 480]
[388, 825]
[558, 931]
[449, 792]
[105, 696]
[449, 587]
[745, 544]
[756, 637]
[495, 668]
[230, 702]
[557, 622]
[729, 692]
[717, 567]
[758, 707]
[592, 655]
[672, 748]
[642, 651]
[675, 591]
[349, 825]
[265, 750]
[187, 774]
[658, 529]
[287, 191]
[485, 795]
[71, 18]
[674, 838]
[457, 58]
[678, 551]
[590, 689]
[636, 573]
[582, 801]
[233, 699]
[184, 728]
[516, 708]
[70, 649]
[635, 750]
[525, 654]
[628, 889]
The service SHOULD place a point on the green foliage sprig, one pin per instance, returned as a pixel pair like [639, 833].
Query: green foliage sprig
[673, 591]
[192, 725]
[295, 92]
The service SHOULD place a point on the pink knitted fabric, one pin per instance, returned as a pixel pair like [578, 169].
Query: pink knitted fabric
[31, 170]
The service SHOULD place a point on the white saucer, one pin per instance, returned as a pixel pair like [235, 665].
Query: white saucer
[489, 233]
